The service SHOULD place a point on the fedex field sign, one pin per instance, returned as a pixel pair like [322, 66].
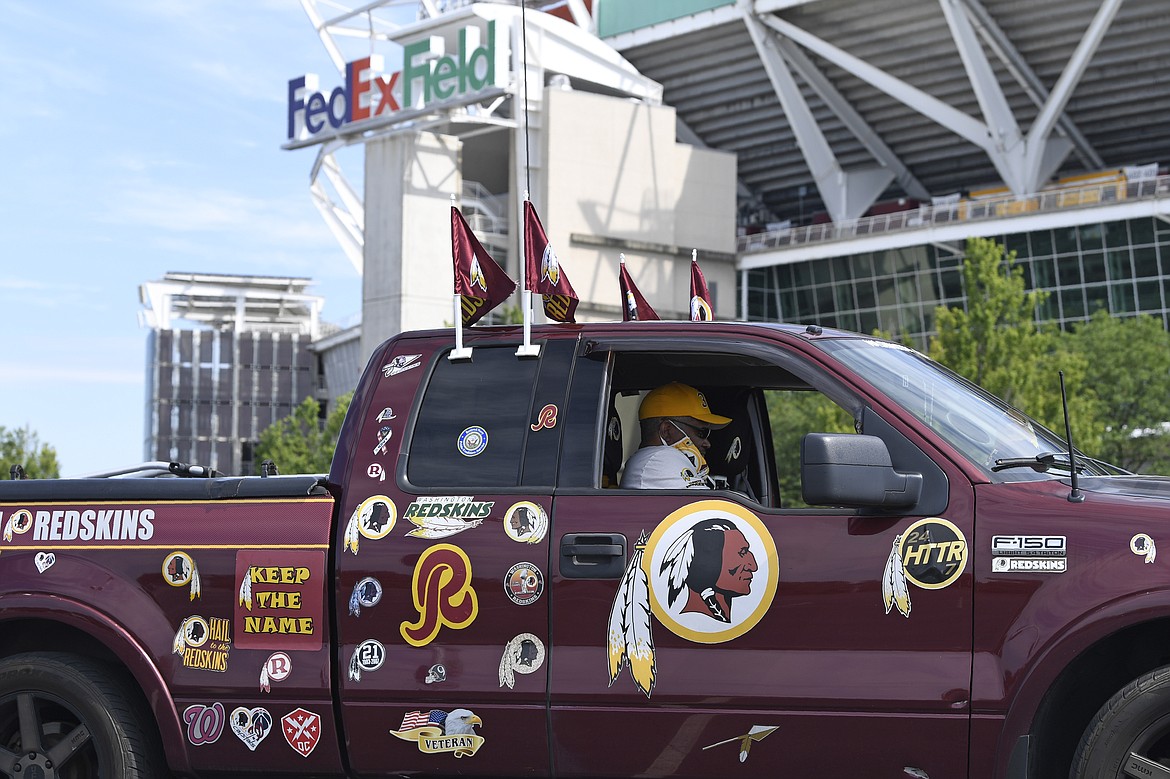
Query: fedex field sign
[428, 75]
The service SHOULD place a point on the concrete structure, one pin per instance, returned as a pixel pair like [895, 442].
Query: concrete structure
[213, 388]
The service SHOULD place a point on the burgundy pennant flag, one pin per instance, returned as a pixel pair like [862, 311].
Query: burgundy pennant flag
[545, 275]
[634, 306]
[701, 309]
[480, 283]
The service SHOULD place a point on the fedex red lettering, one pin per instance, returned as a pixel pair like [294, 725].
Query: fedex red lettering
[426, 76]
[442, 593]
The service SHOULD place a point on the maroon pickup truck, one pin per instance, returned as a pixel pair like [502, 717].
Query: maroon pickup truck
[946, 590]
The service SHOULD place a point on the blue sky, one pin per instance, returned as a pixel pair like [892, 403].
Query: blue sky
[141, 137]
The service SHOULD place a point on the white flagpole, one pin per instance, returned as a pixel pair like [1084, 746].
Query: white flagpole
[459, 353]
[527, 349]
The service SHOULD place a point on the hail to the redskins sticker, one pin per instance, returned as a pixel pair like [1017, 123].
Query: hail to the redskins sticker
[373, 518]
[931, 553]
[472, 441]
[712, 569]
[178, 570]
[526, 522]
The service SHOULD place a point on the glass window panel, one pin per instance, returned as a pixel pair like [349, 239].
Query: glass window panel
[1048, 310]
[1120, 268]
[1121, 299]
[784, 277]
[1141, 231]
[1073, 303]
[825, 303]
[1091, 236]
[868, 322]
[848, 320]
[952, 284]
[841, 269]
[1145, 262]
[1097, 296]
[1018, 243]
[1066, 240]
[863, 266]
[883, 264]
[788, 306]
[865, 295]
[886, 294]
[844, 296]
[1044, 273]
[1041, 241]
[1069, 269]
[1149, 297]
[1026, 267]
[1094, 268]
[1116, 234]
[805, 308]
[821, 273]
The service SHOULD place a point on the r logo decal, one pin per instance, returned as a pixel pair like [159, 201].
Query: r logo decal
[442, 592]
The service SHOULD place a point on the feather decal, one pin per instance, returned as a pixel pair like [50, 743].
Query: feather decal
[265, 685]
[180, 643]
[507, 674]
[8, 529]
[196, 587]
[676, 563]
[355, 670]
[246, 590]
[630, 641]
[351, 534]
[895, 591]
[440, 527]
[355, 603]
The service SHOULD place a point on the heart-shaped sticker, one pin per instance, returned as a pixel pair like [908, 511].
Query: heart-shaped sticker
[45, 560]
[251, 725]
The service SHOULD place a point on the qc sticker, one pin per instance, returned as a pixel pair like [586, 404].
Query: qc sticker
[526, 522]
[708, 573]
[931, 554]
[524, 583]
[473, 441]
[442, 731]
[179, 570]
[373, 518]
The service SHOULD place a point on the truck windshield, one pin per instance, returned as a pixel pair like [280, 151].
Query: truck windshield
[993, 435]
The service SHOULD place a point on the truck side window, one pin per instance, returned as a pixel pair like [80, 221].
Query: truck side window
[792, 413]
[474, 416]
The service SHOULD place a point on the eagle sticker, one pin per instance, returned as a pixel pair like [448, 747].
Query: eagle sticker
[442, 731]
[931, 554]
[708, 573]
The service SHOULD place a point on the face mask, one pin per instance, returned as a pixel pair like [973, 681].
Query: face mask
[693, 452]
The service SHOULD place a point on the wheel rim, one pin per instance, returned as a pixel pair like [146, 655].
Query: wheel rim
[1148, 756]
[43, 737]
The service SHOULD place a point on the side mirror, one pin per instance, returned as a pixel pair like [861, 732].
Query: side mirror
[838, 469]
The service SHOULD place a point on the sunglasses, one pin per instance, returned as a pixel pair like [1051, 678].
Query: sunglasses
[700, 432]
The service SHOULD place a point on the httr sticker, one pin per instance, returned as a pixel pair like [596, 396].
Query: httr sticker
[708, 572]
[442, 731]
[251, 725]
[931, 554]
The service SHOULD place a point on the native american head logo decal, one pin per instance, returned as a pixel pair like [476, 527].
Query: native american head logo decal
[708, 573]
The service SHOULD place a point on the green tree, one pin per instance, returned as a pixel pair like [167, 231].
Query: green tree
[300, 442]
[792, 414]
[996, 343]
[21, 446]
[1128, 363]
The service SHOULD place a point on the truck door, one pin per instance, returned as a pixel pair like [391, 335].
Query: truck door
[697, 630]
[442, 561]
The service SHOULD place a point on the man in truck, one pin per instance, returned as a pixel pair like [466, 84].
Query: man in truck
[676, 423]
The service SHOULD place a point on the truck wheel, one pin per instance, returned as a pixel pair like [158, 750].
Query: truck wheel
[1130, 736]
[66, 717]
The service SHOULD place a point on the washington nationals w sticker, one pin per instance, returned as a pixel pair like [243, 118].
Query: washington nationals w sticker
[442, 592]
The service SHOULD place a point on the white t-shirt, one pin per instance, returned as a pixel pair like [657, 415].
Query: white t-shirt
[662, 468]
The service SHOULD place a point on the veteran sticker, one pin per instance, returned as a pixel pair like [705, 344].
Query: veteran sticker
[367, 656]
[373, 518]
[19, 522]
[302, 730]
[526, 522]
[524, 654]
[442, 731]
[442, 593]
[367, 592]
[931, 553]
[444, 516]
[472, 441]
[251, 725]
[178, 570]
[524, 583]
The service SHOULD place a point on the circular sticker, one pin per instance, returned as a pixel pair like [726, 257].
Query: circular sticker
[369, 655]
[934, 553]
[20, 521]
[177, 568]
[713, 571]
[368, 591]
[473, 441]
[525, 653]
[279, 666]
[376, 517]
[524, 583]
[195, 631]
[526, 522]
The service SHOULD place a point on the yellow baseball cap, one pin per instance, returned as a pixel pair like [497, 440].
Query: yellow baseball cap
[679, 400]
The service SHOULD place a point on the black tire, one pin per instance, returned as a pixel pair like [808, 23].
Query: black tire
[1130, 736]
[73, 719]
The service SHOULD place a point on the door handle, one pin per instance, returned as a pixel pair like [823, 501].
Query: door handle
[593, 550]
[593, 555]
